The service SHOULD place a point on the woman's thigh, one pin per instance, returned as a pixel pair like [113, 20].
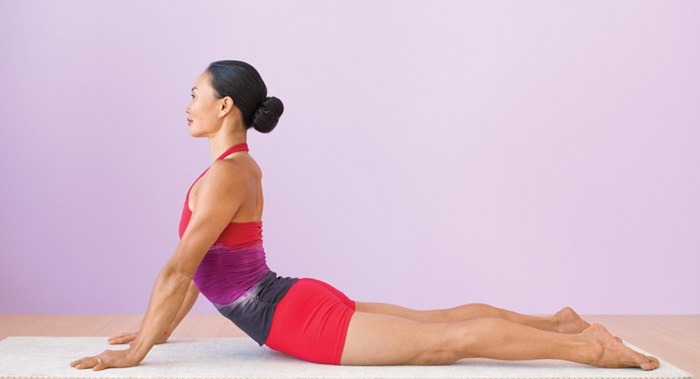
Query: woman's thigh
[380, 339]
[403, 312]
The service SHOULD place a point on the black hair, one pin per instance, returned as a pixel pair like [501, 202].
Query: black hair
[242, 83]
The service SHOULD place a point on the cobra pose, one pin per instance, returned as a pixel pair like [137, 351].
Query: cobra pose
[221, 255]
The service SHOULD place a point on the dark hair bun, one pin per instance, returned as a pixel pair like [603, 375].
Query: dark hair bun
[267, 114]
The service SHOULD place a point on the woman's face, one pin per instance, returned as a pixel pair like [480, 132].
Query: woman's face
[204, 109]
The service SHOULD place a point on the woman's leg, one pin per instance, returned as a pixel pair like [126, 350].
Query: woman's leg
[379, 339]
[564, 321]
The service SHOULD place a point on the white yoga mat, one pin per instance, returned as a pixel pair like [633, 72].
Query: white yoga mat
[241, 358]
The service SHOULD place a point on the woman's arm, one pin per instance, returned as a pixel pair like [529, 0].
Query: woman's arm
[190, 300]
[219, 195]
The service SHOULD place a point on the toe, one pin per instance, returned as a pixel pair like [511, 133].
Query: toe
[650, 363]
[654, 363]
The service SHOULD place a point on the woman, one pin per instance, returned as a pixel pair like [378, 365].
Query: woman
[220, 254]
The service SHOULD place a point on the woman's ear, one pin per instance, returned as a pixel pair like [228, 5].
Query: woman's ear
[226, 106]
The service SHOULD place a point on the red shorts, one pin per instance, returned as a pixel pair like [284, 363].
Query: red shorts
[311, 322]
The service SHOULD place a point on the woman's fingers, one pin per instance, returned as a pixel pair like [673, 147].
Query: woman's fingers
[99, 363]
[117, 338]
[86, 362]
[106, 359]
[122, 338]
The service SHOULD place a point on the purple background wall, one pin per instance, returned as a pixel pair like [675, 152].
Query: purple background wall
[526, 154]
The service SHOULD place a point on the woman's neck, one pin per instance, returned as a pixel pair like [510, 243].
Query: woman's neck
[220, 142]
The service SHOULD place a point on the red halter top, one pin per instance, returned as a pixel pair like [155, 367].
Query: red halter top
[236, 233]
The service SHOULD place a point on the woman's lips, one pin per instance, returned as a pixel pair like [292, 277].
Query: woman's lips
[189, 122]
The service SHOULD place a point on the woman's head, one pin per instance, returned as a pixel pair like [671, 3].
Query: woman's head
[243, 84]
[227, 88]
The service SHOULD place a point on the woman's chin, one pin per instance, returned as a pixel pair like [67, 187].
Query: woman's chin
[193, 133]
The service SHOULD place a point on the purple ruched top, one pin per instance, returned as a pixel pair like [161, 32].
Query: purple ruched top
[227, 273]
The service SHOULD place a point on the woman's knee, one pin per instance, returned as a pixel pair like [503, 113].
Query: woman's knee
[460, 340]
[443, 345]
[437, 356]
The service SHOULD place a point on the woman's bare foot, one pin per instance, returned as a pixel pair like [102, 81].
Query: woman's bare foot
[569, 322]
[608, 351]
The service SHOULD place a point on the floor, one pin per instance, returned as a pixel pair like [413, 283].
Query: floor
[673, 338]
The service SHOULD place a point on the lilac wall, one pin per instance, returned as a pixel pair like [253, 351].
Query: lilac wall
[526, 154]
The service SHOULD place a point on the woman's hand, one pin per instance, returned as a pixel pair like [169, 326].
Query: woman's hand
[130, 337]
[107, 359]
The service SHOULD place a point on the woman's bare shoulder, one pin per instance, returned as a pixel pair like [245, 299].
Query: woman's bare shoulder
[225, 173]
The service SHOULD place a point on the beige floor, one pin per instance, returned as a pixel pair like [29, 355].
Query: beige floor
[675, 339]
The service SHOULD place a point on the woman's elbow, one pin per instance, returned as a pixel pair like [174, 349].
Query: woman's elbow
[177, 275]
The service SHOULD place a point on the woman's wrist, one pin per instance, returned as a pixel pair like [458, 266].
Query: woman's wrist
[136, 358]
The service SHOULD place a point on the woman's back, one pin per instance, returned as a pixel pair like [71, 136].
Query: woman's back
[249, 186]
[242, 176]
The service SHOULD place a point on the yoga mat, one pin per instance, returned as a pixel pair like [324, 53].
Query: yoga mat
[241, 358]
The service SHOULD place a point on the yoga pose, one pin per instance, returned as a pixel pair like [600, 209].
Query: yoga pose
[221, 255]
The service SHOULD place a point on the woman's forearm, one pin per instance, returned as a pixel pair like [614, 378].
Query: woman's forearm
[187, 304]
[166, 300]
